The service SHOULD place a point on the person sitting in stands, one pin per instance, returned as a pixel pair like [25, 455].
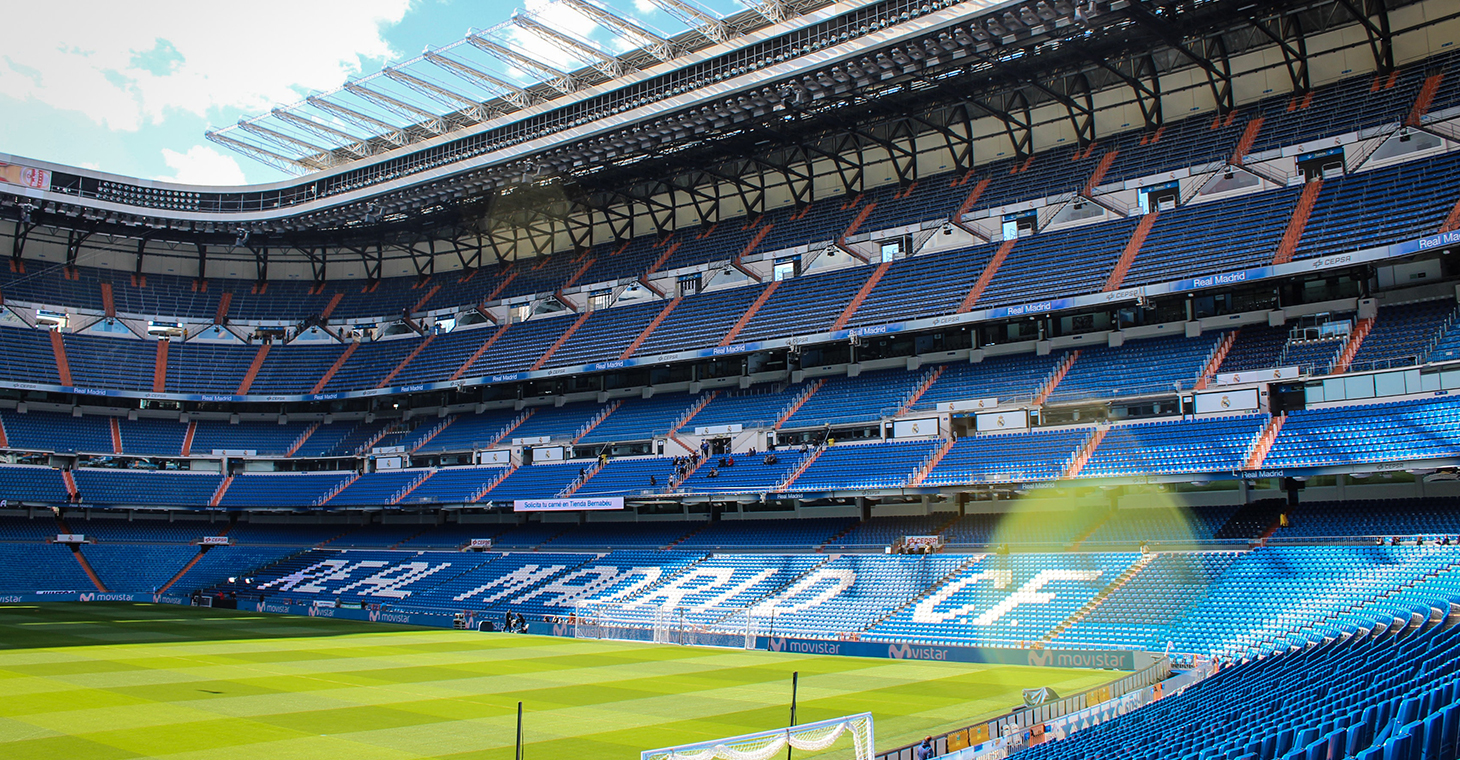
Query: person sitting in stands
[653, 481]
[730, 462]
[714, 472]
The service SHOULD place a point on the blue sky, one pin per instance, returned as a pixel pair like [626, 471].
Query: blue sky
[130, 88]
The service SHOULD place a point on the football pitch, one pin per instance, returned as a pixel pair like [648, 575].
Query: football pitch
[96, 681]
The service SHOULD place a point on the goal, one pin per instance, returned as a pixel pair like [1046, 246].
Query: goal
[764, 745]
[662, 625]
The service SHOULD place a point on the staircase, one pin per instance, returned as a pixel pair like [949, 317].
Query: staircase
[374, 439]
[159, 367]
[482, 349]
[4, 438]
[925, 593]
[433, 432]
[598, 418]
[1128, 256]
[329, 308]
[109, 304]
[932, 461]
[329, 374]
[750, 247]
[1244, 145]
[298, 442]
[1424, 99]
[663, 258]
[857, 222]
[1351, 347]
[927, 382]
[58, 350]
[1263, 443]
[253, 368]
[972, 198]
[800, 468]
[116, 428]
[485, 489]
[420, 305]
[856, 302]
[177, 576]
[86, 568]
[580, 481]
[744, 320]
[987, 276]
[501, 286]
[1452, 222]
[384, 381]
[796, 404]
[1299, 221]
[1090, 606]
[557, 344]
[674, 483]
[684, 419]
[513, 425]
[1055, 377]
[1106, 161]
[220, 491]
[333, 492]
[1219, 355]
[650, 328]
[414, 484]
[1077, 462]
[187, 444]
[70, 481]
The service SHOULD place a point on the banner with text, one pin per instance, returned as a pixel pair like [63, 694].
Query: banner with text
[568, 505]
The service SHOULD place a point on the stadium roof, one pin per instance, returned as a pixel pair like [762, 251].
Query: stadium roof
[777, 111]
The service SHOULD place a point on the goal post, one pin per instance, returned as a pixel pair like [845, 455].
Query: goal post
[661, 625]
[765, 745]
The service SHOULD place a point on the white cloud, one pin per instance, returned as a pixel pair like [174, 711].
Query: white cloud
[202, 165]
[645, 7]
[126, 64]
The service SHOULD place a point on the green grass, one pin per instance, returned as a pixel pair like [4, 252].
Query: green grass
[83, 681]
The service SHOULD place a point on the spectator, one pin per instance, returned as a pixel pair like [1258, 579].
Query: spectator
[925, 750]
[714, 472]
[653, 481]
[730, 462]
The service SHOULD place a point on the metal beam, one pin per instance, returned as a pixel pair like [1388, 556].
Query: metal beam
[652, 43]
[1290, 39]
[473, 107]
[560, 81]
[389, 131]
[510, 92]
[284, 163]
[606, 64]
[1381, 40]
[353, 144]
[430, 121]
[287, 142]
[704, 21]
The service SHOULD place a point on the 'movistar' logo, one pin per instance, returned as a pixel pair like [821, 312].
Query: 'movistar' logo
[777, 643]
[1039, 658]
[375, 616]
[87, 598]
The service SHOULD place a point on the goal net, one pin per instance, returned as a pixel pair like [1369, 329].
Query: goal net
[765, 745]
[662, 625]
